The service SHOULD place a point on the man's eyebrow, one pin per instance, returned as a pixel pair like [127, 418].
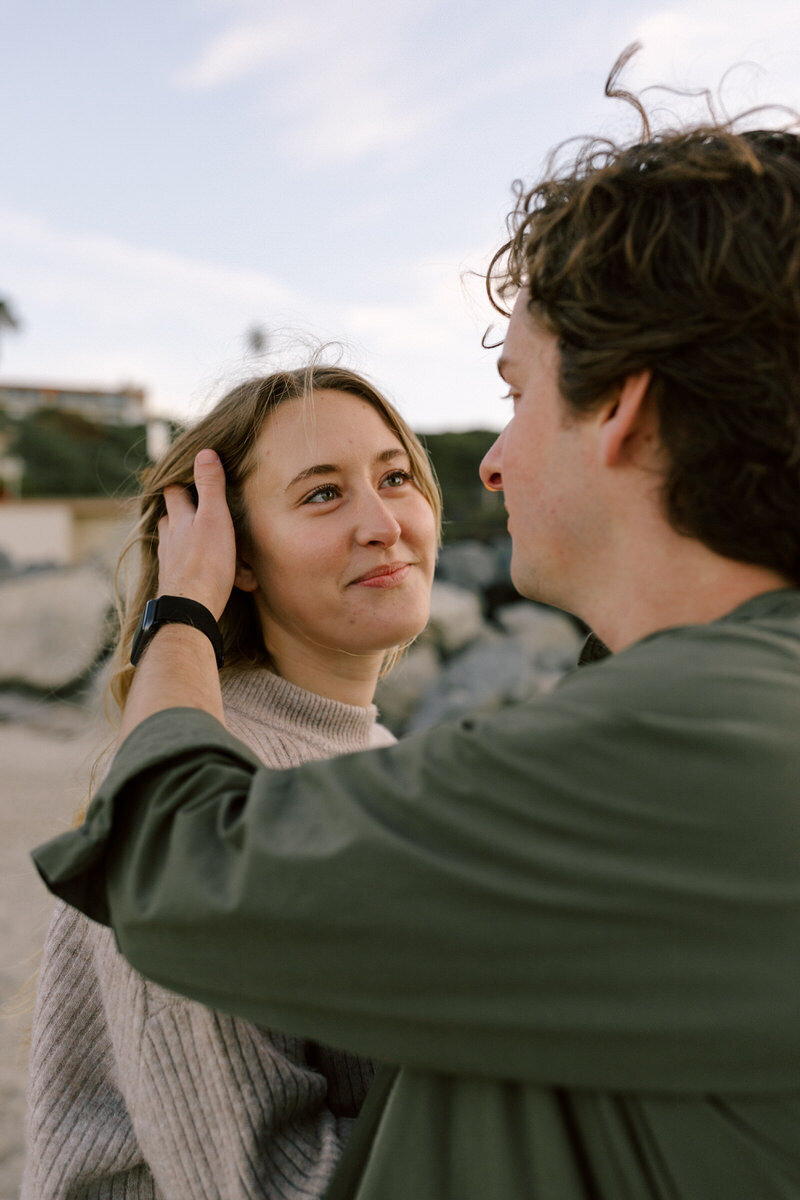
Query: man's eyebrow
[333, 469]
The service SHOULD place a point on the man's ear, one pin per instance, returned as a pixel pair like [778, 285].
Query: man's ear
[244, 579]
[626, 421]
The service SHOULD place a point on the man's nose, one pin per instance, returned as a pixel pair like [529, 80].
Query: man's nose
[376, 523]
[490, 469]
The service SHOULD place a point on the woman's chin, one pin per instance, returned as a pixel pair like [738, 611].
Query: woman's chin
[379, 641]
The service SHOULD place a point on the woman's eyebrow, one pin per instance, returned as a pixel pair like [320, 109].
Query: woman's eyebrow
[333, 469]
[310, 472]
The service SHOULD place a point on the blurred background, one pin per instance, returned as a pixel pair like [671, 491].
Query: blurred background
[195, 192]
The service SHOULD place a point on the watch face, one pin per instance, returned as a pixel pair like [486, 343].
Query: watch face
[148, 619]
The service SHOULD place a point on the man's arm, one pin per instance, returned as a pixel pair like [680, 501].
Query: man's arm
[177, 670]
[573, 890]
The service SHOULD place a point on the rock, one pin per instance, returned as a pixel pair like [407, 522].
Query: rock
[493, 672]
[57, 718]
[501, 590]
[467, 564]
[399, 692]
[550, 637]
[503, 548]
[456, 618]
[52, 626]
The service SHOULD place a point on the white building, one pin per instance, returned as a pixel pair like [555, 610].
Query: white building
[66, 532]
[124, 405]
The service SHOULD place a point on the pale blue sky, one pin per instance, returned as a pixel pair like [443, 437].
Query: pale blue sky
[174, 173]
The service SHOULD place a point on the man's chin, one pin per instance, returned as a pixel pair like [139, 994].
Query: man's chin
[526, 582]
[532, 586]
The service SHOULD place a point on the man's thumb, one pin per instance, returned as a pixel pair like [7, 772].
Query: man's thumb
[208, 472]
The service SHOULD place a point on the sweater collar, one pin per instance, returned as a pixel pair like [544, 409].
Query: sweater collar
[255, 691]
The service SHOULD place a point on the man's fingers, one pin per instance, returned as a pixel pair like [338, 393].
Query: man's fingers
[196, 548]
[177, 500]
[209, 478]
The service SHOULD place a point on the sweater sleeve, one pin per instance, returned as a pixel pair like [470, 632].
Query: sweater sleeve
[226, 1110]
[79, 1132]
[136, 1092]
[577, 889]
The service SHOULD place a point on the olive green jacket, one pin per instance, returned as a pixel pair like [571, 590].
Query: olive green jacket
[574, 924]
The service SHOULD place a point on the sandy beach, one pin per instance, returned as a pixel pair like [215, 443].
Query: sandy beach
[46, 753]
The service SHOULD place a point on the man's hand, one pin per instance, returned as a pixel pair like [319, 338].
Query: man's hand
[197, 559]
[196, 546]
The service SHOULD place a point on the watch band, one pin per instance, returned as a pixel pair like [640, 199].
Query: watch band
[176, 610]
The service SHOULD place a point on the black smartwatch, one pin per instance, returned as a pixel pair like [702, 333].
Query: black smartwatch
[172, 610]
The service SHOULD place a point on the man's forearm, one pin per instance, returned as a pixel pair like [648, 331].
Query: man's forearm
[196, 560]
[177, 670]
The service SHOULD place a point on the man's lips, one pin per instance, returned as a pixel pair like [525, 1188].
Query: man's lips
[386, 576]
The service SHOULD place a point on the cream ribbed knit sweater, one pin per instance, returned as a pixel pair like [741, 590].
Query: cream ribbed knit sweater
[136, 1092]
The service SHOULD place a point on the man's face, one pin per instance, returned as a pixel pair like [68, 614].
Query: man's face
[544, 462]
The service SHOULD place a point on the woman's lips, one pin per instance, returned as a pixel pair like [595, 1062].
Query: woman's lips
[384, 577]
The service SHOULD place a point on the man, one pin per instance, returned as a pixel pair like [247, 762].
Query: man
[574, 924]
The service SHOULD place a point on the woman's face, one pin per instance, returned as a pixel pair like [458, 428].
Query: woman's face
[343, 544]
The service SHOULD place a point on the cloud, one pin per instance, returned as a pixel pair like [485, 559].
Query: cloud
[338, 81]
[240, 51]
[94, 259]
[429, 345]
[745, 54]
[99, 310]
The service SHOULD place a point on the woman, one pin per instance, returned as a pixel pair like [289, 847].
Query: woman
[134, 1091]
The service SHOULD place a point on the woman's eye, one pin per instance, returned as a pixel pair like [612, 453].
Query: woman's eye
[398, 478]
[322, 495]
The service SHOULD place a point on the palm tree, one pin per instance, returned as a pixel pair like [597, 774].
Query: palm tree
[8, 318]
[257, 340]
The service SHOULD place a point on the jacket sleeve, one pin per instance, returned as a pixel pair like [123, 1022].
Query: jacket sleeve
[574, 889]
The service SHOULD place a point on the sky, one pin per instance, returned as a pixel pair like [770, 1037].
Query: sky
[174, 173]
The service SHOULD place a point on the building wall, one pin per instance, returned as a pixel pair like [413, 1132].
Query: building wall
[124, 405]
[99, 538]
[64, 532]
[36, 533]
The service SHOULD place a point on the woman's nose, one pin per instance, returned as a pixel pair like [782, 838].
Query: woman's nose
[376, 523]
[490, 469]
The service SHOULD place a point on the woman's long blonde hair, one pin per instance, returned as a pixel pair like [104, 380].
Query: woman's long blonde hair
[232, 428]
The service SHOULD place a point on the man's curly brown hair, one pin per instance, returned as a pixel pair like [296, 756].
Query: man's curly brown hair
[681, 254]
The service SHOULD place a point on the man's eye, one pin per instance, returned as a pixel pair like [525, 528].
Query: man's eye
[398, 478]
[322, 494]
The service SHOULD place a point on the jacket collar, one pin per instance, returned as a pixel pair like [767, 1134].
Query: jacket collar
[784, 602]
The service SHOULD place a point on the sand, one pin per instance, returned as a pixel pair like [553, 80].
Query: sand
[45, 756]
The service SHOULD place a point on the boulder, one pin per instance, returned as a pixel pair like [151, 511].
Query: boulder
[467, 564]
[549, 636]
[53, 626]
[399, 692]
[503, 549]
[456, 618]
[487, 675]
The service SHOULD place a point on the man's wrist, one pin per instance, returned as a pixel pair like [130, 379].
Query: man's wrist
[169, 609]
[180, 639]
[177, 670]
